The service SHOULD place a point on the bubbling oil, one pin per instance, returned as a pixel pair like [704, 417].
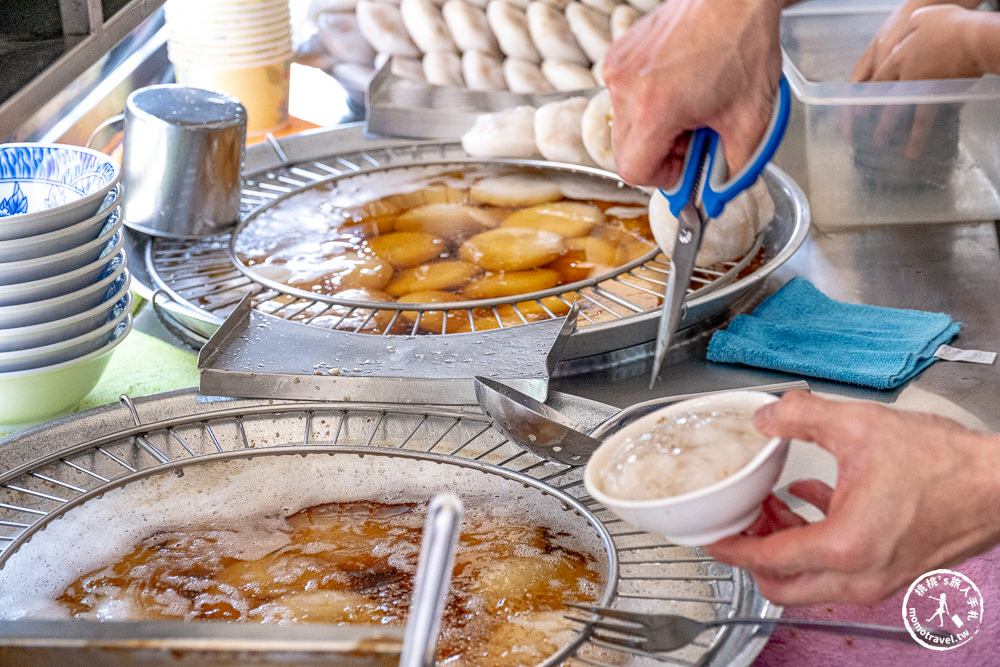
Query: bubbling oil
[680, 454]
[353, 562]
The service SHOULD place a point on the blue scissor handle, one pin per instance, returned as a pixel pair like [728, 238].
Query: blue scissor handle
[679, 196]
[717, 192]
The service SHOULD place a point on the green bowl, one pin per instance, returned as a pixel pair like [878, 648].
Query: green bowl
[33, 396]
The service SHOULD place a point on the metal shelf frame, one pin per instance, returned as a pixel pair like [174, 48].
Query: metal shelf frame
[89, 38]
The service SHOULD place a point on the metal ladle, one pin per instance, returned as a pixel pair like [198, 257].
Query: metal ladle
[433, 580]
[550, 434]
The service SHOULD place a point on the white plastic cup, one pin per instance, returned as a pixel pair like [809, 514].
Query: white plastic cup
[180, 54]
[232, 40]
[208, 15]
[261, 86]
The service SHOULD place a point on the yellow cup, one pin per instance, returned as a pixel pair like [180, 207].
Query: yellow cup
[262, 87]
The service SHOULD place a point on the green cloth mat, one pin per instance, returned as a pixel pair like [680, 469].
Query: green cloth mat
[140, 366]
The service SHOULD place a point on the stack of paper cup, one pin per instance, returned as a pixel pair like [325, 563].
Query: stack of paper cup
[239, 47]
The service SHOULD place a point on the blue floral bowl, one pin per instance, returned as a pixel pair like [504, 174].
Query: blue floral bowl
[45, 187]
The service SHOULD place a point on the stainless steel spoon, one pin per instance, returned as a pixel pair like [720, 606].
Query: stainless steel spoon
[552, 435]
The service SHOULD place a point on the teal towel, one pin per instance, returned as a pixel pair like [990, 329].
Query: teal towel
[801, 330]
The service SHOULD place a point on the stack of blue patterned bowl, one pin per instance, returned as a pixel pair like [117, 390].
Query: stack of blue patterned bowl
[65, 302]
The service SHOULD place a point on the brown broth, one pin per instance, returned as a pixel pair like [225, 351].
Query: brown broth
[325, 243]
[354, 563]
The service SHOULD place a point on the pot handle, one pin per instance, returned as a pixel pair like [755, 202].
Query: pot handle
[114, 120]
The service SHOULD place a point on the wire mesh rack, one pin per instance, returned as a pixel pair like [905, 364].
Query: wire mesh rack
[645, 572]
[204, 278]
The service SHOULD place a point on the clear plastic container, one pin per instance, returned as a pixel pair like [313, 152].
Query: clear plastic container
[883, 152]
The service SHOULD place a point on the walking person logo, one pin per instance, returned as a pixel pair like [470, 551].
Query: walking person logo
[943, 609]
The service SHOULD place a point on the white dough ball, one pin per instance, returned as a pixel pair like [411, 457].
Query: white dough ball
[515, 190]
[623, 17]
[765, 204]
[443, 68]
[567, 76]
[603, 6]
[510, 25]
[551, 34]
[382, 25]
[482, 71]
[727, 238]
[591, 28]
[427, 29]
[507, 133]
[596, 130]
[557, 131]
[523, 76]
[469, 28]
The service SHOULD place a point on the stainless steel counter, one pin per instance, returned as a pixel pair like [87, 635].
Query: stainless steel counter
[947, 268]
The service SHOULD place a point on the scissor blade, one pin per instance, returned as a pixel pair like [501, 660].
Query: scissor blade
[690, 225]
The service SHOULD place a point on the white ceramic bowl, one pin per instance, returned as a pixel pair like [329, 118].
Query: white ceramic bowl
[32, 396]
[708, 514]
[50, 265]
[45, 187]
[63, 351]
[46, 288]
[66, 305]
[50, 243]
[47, 333]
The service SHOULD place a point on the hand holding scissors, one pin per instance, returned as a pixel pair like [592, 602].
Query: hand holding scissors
[702, 193]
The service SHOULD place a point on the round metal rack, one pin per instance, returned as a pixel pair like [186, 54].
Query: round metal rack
[646, 572]
[199, 283]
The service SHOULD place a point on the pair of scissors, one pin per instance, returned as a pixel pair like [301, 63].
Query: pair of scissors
[704, 178]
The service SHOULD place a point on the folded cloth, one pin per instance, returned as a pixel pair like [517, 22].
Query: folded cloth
[801, 330]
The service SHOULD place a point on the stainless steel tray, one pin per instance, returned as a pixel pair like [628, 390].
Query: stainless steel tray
[256, 355]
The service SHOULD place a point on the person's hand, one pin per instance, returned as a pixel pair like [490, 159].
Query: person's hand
[689, 64]
[915, 492]
[892, 32]
[936, 42]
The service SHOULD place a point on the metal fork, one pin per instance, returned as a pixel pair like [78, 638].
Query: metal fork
[653, 633]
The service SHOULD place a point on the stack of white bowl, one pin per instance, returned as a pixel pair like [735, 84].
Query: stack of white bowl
[239, 47]
[65, 302]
